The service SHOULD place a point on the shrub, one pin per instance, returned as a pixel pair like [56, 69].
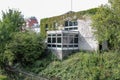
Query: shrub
[3, 77]
[86, 66]
[26, 47]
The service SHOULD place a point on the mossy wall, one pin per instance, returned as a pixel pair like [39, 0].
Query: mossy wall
[61, 18]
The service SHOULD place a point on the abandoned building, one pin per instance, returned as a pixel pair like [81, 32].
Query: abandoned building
[71, 35]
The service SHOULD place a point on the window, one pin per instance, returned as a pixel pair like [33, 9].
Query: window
[65, 40]
[53, 34]
[53, 45]
[71, 39]
[75, 28]
[75, 40]
[58, 45]
[75, 45]
[58, 40]
[49, 34]
[66, 23]
[70, 45]
[58, 34]
[46, 26]
[53, 40]
[49, 40]
[66, 28]
[70, 28]
[75, 23]
[70, 23]
[49, 45]
[64, 45]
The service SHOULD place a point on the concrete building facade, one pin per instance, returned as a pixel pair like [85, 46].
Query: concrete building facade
[72, 37]
[70, 33]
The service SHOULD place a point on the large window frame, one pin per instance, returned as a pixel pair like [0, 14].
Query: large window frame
[63, 40]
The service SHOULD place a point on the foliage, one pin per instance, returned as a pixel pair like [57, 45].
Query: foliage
[17, 49]
[60, 19]
[26, 47]
[107, 24]
[86, 66]
[3, 77]
[41, 63]
[11, 22]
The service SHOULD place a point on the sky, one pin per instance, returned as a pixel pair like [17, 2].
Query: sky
[48, 8]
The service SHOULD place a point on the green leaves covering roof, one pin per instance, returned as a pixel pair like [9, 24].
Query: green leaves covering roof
[61, 18]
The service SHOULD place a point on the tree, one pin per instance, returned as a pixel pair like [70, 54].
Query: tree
[11, 22]
[18, 47]
[107, 24]
[26, 48]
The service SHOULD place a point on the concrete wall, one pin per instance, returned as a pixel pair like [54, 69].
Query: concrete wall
[87, 40]
[62, 53]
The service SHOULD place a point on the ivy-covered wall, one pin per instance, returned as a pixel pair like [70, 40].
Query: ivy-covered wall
[61, 18]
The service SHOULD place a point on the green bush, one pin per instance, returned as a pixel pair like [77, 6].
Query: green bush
[25, 47]
[86, 66]
[3, 77]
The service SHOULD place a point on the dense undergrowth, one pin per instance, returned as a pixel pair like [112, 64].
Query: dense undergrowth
[85, 66]
[3, 77]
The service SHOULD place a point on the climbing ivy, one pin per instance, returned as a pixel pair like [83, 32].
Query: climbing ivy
[61, 18]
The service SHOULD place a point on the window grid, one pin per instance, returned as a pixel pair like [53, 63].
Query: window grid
[69, 40]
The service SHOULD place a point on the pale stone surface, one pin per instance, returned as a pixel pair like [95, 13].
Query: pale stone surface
[87, 40]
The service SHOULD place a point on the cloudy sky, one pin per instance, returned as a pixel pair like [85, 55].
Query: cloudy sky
[48, 8]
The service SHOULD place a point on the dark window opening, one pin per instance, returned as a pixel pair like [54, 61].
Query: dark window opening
[75, 40]
[53, 34]
[53, 45]
[75, 23]
[66, 23]
[70, 28]
[70, 45]
[53, 40]
[100, 47]
[75, 28]
[66, 28]
[49, 40]
[58, 34]
[49, 45]
[75, 45]
[58, 40]
[70, 23]
[58, 45]
[49, 34]
[46, 27]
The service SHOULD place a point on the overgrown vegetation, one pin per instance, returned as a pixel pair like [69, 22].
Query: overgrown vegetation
[25, 49]
[59, 20]
[85, 66]
[41, 63]
[3, 77]
[11, 22]
[106, 22]
[17, 48]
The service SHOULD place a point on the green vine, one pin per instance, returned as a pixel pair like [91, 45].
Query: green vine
[61, 18]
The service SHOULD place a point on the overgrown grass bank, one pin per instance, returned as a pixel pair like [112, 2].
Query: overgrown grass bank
[86, 66]
[3, 77]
